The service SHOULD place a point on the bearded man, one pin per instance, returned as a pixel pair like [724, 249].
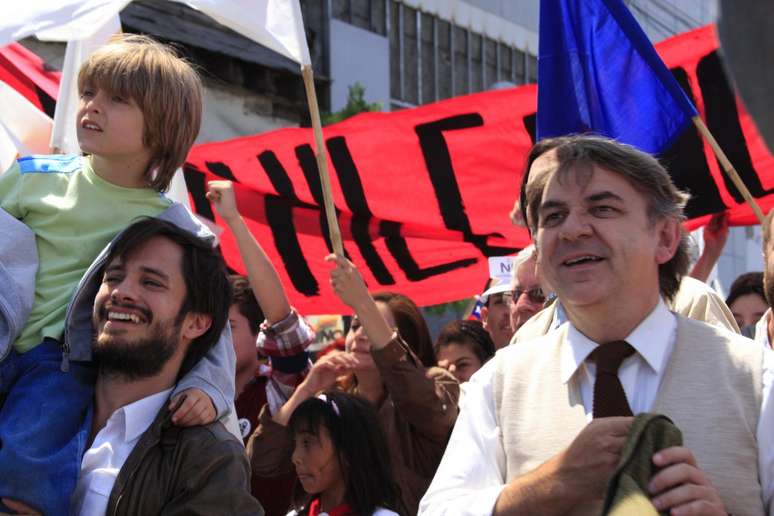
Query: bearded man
[162, 304]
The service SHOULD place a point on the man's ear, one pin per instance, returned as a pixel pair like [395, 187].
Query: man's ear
[195, 325]
[484, 313]
[669, 234]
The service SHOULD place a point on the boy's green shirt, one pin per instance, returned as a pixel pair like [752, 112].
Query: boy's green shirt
[74, 214]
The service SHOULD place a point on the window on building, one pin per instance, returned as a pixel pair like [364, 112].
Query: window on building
[432, 59]
[396, 74]
[366, 14]
[410, 56]
[460, 43]
[532, 68]
[314, 21]
[490, 60]
[519, 66]
[444, 77]
[506, 64]
[360, 13]
[475, 51]
[427, 58]
[341, 10]
[379, 16]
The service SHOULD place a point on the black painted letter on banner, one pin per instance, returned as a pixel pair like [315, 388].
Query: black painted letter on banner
[439, 166]
[354, 195]
[308, 163]
[687, 164]
[194, 181]
[723, 123]
[399, 249]
[279, 215]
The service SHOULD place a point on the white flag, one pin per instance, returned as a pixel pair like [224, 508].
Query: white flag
[55, 20]
[276, 24]
[24, 129]
[63, 136]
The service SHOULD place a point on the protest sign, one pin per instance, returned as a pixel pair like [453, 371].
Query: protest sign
[423, 195]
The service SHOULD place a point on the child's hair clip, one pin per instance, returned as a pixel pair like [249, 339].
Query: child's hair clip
[332, 403]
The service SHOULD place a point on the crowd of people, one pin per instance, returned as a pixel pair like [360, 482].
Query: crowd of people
[138, 377]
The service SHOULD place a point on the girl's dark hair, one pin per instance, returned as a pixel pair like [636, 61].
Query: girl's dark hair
[470, 333]
[748, 283]
[361, 446]
[411, 325]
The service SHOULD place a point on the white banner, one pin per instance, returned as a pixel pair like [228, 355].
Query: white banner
[276, 24]
[64, 137]
[87, 24]
[24, 129]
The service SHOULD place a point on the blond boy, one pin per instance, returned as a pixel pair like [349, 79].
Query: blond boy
[140, 111]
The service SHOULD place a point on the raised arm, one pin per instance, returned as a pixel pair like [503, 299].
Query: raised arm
[262, 275]
[351, 289]
[427, 398]
[269, 447]
[715, 236]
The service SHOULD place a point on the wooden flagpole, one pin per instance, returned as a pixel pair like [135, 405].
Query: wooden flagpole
[322, 161]
[728, 167]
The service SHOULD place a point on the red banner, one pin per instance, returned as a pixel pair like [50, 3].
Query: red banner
[27, 73]
[694, 59]
[423, 195]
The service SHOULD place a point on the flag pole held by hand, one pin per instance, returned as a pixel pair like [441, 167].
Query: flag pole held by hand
[322, 162]
[728, 167]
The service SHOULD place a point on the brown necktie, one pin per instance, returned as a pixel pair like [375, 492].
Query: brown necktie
[609, 396]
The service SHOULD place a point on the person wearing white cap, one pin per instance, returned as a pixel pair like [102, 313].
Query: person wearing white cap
[495, 314]
[526, 295]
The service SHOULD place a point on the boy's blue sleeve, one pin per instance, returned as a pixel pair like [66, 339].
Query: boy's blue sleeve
[214, 374]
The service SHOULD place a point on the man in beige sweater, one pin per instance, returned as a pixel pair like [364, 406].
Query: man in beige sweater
[545, 420]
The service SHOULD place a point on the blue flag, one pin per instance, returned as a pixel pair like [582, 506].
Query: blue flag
[598, 72]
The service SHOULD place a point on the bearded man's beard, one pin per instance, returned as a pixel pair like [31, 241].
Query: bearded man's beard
[138, 358]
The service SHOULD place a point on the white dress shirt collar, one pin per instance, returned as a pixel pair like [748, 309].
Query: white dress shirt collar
[112, 445]
[651, 339]
[473, 472]
[139, 415]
